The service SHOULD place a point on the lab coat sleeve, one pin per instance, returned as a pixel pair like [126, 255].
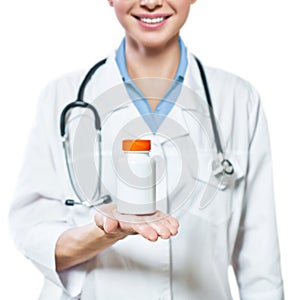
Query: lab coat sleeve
[256, 258]
[37, 215]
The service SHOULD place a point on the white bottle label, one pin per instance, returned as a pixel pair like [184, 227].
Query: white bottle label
[136, 183]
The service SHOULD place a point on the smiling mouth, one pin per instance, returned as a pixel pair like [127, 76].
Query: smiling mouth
[150, 21]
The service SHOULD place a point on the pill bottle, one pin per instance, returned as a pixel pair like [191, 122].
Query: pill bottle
[136, 178]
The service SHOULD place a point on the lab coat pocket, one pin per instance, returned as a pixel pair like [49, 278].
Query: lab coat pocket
[217, 197]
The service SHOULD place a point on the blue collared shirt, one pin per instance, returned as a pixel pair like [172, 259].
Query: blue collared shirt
[153, 119]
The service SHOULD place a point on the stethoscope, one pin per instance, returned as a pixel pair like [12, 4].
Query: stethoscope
[222, 166]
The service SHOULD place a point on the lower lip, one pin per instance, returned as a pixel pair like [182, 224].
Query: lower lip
[152, 26]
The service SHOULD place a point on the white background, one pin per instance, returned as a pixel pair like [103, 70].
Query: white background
[256, 39]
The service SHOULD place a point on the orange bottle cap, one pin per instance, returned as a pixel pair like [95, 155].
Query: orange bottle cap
[136, 145]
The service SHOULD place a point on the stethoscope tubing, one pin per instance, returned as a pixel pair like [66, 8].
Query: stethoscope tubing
[211, 109]
[79, 102]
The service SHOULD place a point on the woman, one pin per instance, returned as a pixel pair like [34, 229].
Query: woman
[88, 254]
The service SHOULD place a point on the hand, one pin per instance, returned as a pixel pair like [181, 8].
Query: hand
[151, 227]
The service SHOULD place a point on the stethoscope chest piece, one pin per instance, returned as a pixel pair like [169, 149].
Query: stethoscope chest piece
[228, 168]
[222, 166]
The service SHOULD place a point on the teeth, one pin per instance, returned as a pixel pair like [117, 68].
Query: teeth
[152, 20]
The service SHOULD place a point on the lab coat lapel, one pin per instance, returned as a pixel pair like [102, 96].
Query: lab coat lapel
[177, 153]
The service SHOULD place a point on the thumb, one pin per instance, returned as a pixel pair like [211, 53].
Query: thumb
[107, 224]
[98, 218]
[110, 224]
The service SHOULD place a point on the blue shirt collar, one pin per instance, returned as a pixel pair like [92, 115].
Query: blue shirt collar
[154, 120]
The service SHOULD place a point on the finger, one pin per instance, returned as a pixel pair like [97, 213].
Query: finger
[162, 231]
[173, 222]
[166, 221]
[159, 215]
[164, 228]
[172, 226]
[146, 231]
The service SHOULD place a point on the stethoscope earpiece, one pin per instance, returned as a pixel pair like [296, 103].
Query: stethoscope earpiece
[105, 199]
[71, 202]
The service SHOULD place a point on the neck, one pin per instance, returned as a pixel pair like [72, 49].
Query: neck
[156, 62]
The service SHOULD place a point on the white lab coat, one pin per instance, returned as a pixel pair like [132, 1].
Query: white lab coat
[238, 227]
